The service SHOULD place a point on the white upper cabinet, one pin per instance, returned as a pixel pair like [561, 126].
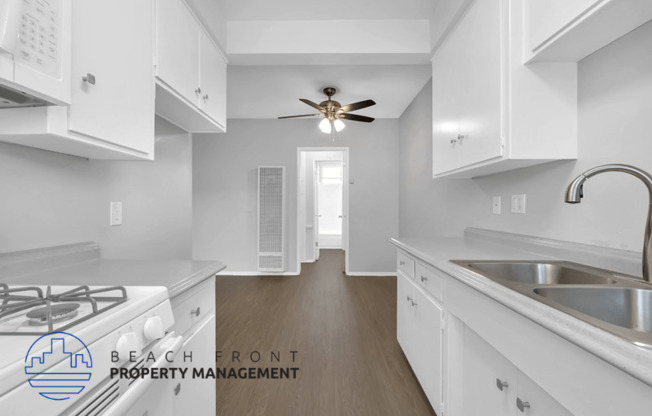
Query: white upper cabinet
[111, 115]
[113, 100]
[569, 30]
[491, 113]
[212, 79]
[177, 48]
[190, 71]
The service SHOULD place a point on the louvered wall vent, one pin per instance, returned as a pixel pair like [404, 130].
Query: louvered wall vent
[271, 224]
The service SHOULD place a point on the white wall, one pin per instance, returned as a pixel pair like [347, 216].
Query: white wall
[49, 199]
[224, 189]
[615, 103]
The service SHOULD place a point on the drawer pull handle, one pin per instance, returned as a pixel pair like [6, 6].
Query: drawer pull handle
[402, 263]
[501, 384]
[522, 405]
[177, 389]
[195, 312]
[424, 279]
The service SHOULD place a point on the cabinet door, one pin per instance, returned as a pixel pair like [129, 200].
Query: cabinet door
[484, 369]
[479, 44]
[428, 348]
[445, 110]
[196, 396]
[177, 48]
[404, 321]
[467, 85]
[116, 48]
[538, 401]
[212, 71]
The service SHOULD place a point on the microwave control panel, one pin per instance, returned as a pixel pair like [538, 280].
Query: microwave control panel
[39, 37]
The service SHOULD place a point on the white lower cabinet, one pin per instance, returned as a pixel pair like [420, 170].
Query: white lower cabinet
[493, 386]
[194, 317]
[420, 334]
[196, 396]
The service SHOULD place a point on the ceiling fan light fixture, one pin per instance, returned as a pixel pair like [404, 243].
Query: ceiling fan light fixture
[339, 125]
[325, 126]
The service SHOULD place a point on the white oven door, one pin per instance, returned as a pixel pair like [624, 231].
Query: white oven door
[157, 400]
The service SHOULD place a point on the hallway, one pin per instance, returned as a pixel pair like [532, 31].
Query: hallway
[343, 330]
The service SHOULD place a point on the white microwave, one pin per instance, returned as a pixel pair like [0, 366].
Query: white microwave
[35, 42]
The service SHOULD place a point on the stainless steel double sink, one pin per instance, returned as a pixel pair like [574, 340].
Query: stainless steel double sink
[614, 302]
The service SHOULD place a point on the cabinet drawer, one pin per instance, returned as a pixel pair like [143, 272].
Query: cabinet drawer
[429, 280]
[405, 264]
[193, 306]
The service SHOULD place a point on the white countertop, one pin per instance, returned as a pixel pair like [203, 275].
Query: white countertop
[177, 275]
[620, 353]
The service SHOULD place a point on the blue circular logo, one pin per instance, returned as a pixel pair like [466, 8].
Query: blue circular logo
[59, 364]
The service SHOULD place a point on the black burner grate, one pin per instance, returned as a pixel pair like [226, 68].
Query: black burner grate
[15, 300]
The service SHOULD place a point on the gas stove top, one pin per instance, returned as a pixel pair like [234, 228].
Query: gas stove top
[98, 316]
[33, 310]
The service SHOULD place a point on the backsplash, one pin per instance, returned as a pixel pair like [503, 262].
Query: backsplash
[49, 199]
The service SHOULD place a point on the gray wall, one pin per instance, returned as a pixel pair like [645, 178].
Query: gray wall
[50, 199]
[224, 189]
[615, 104]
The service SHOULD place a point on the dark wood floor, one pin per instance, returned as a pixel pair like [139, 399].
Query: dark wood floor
[343, 329]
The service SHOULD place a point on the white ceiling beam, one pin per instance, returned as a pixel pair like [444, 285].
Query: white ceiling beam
[311, 42]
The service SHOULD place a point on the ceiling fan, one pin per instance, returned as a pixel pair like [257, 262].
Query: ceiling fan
[333, 112]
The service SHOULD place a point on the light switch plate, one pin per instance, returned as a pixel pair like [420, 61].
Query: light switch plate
[115, 215]
[496, 204]
[518, 204]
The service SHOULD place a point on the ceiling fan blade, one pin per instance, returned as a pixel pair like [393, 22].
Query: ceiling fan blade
[355, 117]
[302, 115]
[358, 105]
[311, 104]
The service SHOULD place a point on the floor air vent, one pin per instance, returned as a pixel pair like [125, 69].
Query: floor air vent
[271, 211]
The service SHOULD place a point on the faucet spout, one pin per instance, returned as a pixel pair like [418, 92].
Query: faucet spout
[574, 194]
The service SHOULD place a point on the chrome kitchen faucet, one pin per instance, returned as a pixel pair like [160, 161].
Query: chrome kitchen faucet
[574, 193]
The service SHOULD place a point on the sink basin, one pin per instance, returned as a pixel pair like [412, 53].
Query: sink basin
[539, 273]
[626, 307]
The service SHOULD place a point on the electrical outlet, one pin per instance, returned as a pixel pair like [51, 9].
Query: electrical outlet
[518, 204]
[115, 213]
[497, 202]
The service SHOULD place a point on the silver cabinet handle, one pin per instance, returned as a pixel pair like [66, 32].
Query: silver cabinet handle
[522, 405]
[424, 279]
[89, 78]
[177, 389]
[205, 97]
[402, 263]
[195, 312]
[458, 139]
[501, 384]
[198, 91]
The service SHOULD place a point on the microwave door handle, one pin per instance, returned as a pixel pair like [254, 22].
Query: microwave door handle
[10, 16]
[169, 344]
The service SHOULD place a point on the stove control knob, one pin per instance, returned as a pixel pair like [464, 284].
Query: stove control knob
[127, 346]
[153, 328]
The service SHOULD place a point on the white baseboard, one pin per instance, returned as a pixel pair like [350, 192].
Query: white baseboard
[379, 274]
[234, 273]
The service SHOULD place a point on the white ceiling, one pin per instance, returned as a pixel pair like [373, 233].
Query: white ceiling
[319, 9]
[273, 91]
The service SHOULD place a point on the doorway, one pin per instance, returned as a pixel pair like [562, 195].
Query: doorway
[322, 202]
